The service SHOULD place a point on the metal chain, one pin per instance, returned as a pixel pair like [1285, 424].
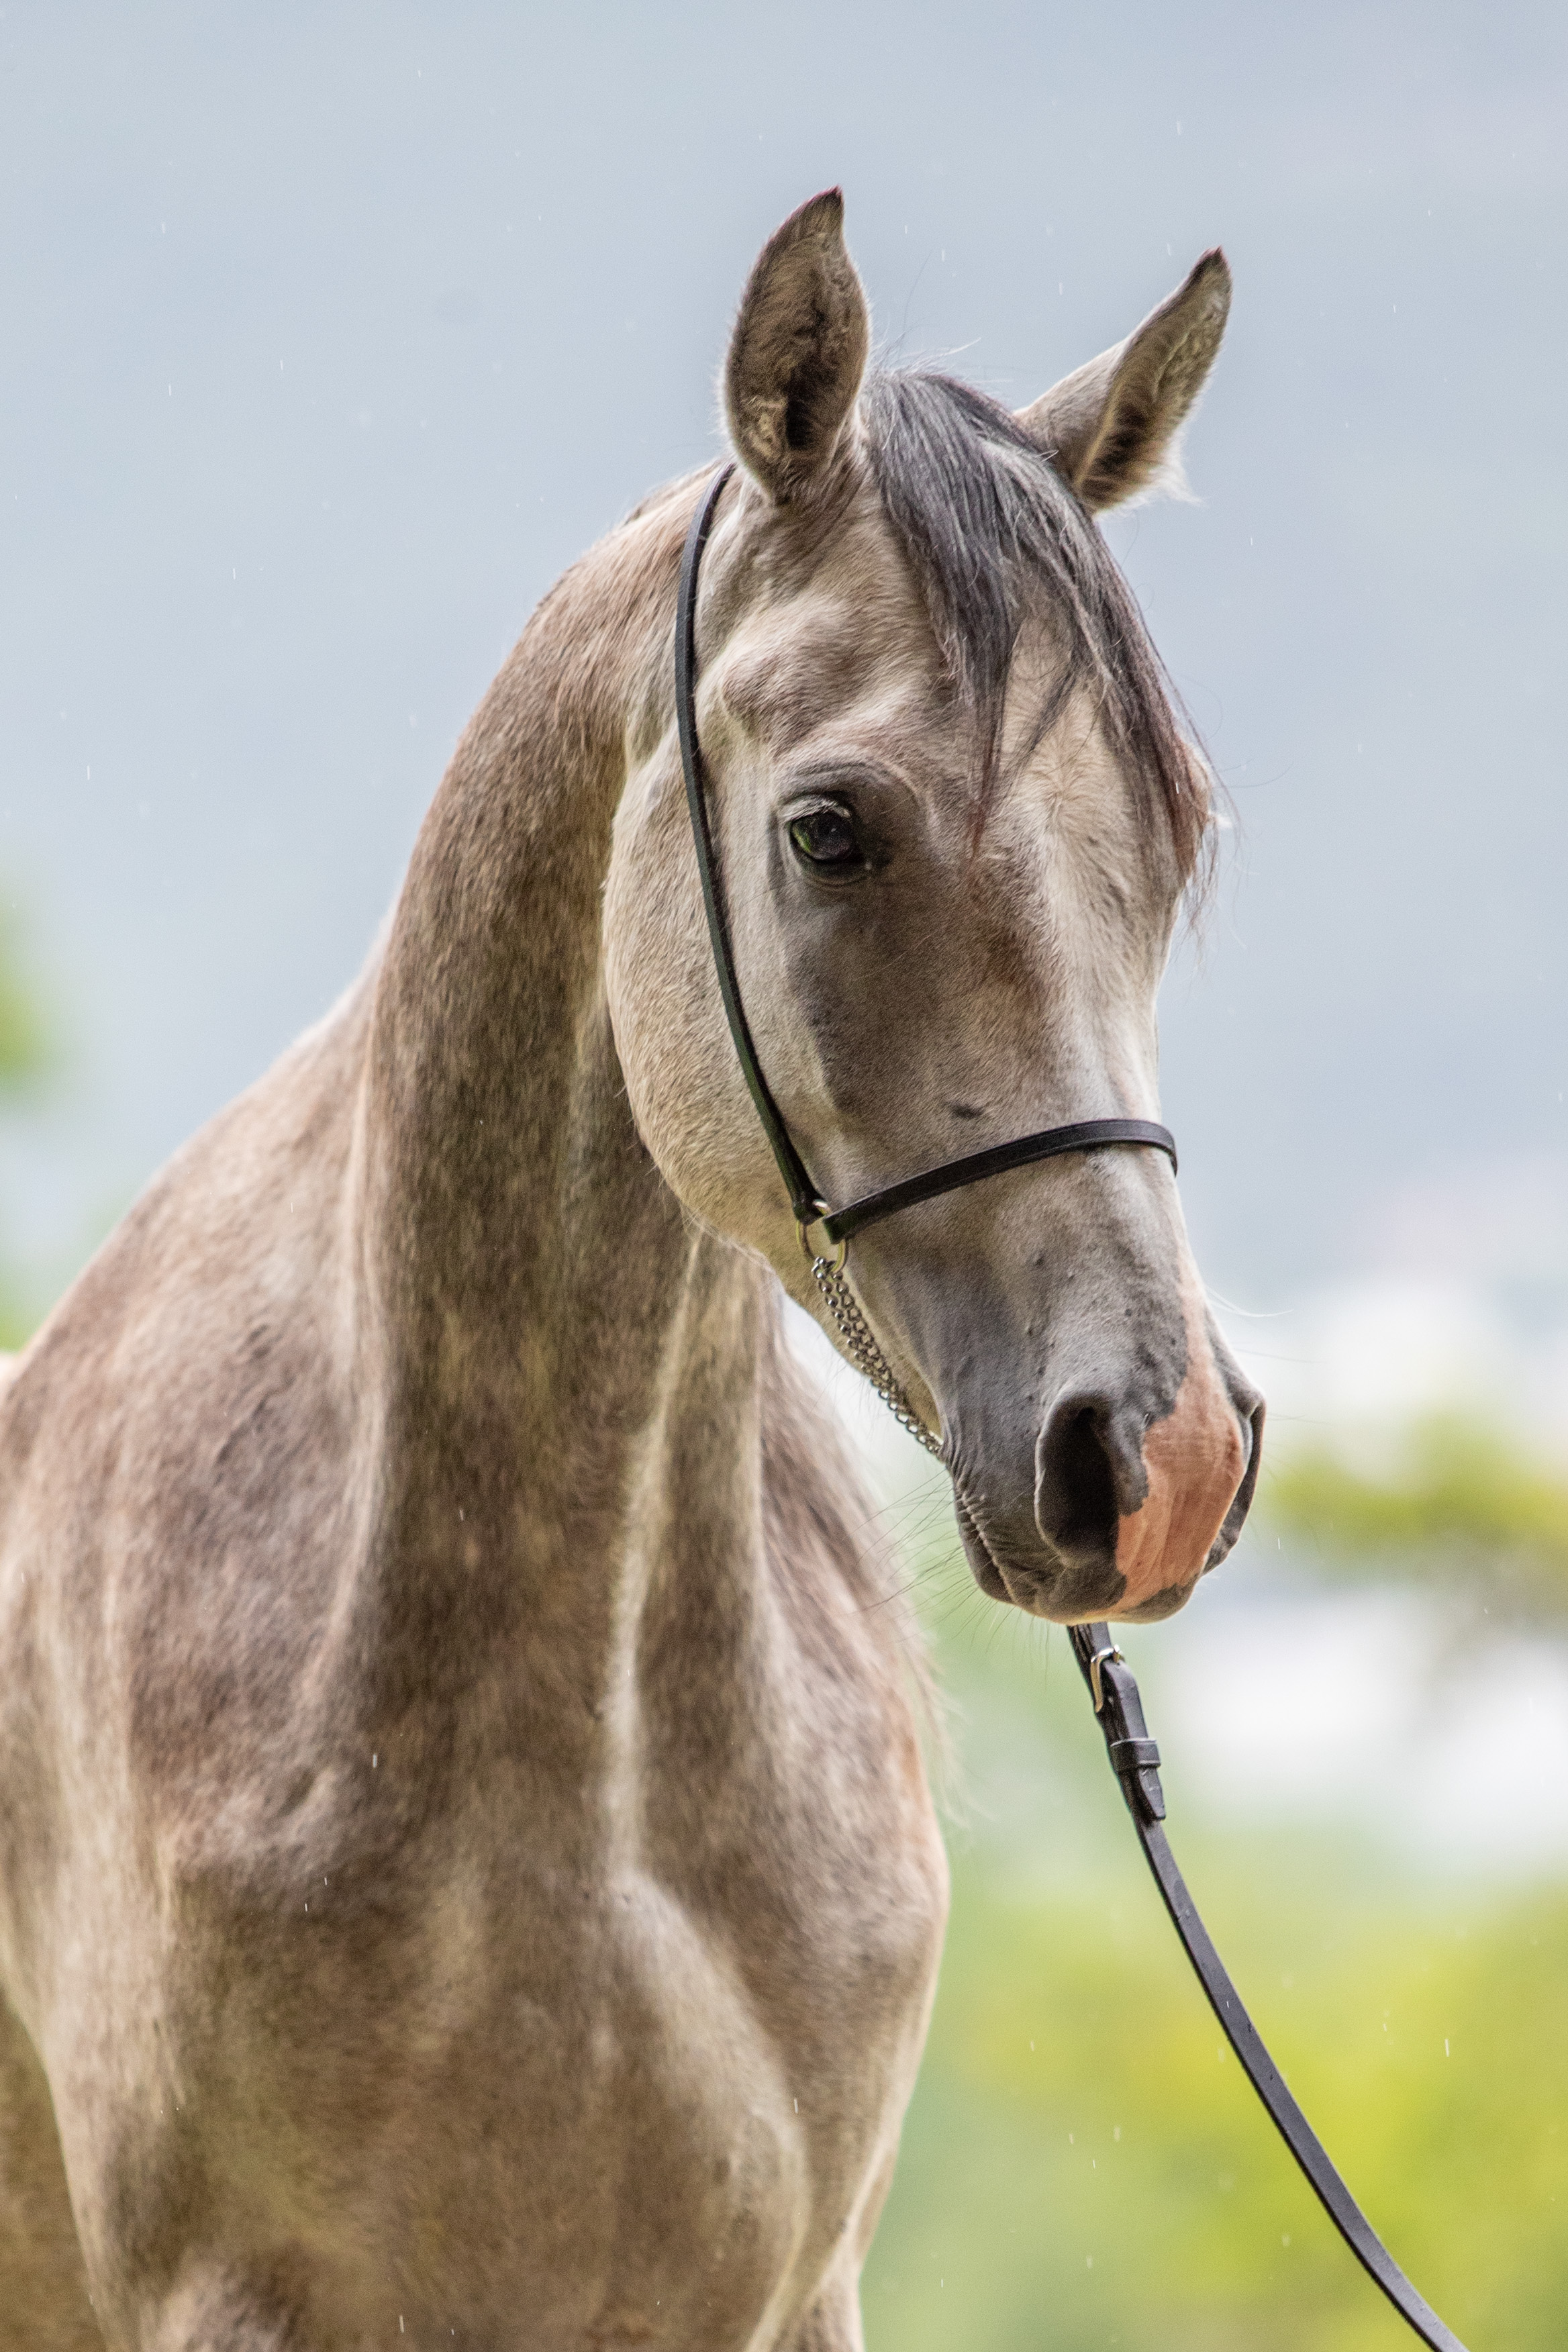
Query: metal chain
[864, 1354]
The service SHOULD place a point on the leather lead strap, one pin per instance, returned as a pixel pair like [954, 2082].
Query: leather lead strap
[1135, 1759]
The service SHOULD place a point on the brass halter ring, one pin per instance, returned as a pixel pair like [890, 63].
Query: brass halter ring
[814, 1256]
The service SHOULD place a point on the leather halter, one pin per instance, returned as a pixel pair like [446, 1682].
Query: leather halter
[810, 1209]
[1134, 1758]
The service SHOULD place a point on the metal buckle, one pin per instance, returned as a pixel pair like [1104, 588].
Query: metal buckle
[1096, 1689]
[814, 1256]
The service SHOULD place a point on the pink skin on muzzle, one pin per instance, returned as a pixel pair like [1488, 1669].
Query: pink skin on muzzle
[1196, 1459]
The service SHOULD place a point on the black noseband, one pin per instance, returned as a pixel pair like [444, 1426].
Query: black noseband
[811, 1211]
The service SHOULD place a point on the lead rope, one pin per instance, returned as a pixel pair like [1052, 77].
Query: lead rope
[1135, 1760]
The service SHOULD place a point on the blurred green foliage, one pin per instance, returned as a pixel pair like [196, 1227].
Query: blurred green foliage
[25, 1059]
[1084, 2163]
[1453, 1500]
[24, 1047]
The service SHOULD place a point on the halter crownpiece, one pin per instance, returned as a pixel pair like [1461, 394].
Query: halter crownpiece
[812, 1212]
[1134, 1758]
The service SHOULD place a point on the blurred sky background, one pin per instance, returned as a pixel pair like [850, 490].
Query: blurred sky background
[333, 333]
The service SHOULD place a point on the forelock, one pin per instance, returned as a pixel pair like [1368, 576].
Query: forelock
[996, 537]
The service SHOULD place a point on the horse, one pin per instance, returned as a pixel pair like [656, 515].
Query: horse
[469, 1871]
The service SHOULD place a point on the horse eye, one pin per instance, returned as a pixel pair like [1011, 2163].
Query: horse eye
[826, 837]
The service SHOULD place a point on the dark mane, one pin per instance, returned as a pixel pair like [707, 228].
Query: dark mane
[994, 535]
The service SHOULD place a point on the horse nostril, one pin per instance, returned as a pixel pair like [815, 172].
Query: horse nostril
[1075, 1495]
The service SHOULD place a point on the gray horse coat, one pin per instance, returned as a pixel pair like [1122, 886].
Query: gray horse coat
[468, 1871]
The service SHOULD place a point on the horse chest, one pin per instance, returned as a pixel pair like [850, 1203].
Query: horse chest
[620, 2072]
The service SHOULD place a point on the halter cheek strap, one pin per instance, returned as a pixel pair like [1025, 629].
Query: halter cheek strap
[812, 1212]
[802, 1192]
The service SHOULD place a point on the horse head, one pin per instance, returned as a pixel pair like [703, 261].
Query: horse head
[956, 818]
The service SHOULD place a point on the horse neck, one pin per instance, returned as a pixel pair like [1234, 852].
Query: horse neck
[543, 1333]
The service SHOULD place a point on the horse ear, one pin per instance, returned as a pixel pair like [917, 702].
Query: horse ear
[798, 351]
[1113, 428]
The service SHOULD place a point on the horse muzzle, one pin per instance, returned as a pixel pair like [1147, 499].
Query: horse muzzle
[1129, 1507]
